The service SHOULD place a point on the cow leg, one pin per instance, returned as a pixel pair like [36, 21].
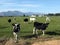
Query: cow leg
[33, 20]
[34, 30]
[15, 36]
[43, 32]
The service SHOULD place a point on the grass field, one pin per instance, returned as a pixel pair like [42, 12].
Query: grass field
[53, 29]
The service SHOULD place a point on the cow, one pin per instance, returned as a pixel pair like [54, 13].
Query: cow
[26, 20]
[14, 19]
[47, 19]
[32, 19]
[16, 29]
[39, 26]
[9, 20]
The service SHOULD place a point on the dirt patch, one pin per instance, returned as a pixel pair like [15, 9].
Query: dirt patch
[51, 42]
[24, 42]
[20, 42]
[10, 42]
[2, 42]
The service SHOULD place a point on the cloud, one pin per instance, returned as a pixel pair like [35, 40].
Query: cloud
[22, 5]
[28, 5]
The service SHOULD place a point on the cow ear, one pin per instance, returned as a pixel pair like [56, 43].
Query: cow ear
[13, 24]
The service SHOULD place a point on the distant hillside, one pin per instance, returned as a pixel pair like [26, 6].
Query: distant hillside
[11, 13]
[17, 13]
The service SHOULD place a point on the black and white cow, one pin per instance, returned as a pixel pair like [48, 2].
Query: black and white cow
[9, 20]
[26, 20]
[39, 26]
[16, 29]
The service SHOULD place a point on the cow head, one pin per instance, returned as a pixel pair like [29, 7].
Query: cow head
[46, 24]
[16, 26]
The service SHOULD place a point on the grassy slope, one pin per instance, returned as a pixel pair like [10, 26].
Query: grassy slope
[26, 28]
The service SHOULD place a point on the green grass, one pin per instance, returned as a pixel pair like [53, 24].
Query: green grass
[53, 29]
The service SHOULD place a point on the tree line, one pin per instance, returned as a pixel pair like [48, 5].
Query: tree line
[51, 14]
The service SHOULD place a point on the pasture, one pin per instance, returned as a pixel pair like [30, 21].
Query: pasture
[53, 29]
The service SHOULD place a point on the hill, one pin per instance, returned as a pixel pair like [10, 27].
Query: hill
[18, 13]
[11, 13]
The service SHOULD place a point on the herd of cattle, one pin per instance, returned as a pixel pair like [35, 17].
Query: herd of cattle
[37, 26]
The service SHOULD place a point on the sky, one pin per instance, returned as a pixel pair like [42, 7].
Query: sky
[40, 6]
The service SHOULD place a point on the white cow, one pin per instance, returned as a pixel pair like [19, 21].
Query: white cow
[32, 19]
[33, 16]
[47, 19]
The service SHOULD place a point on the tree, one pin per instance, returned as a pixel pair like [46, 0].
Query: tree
[24, 15]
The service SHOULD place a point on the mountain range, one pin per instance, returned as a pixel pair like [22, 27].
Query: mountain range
[16, 13]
